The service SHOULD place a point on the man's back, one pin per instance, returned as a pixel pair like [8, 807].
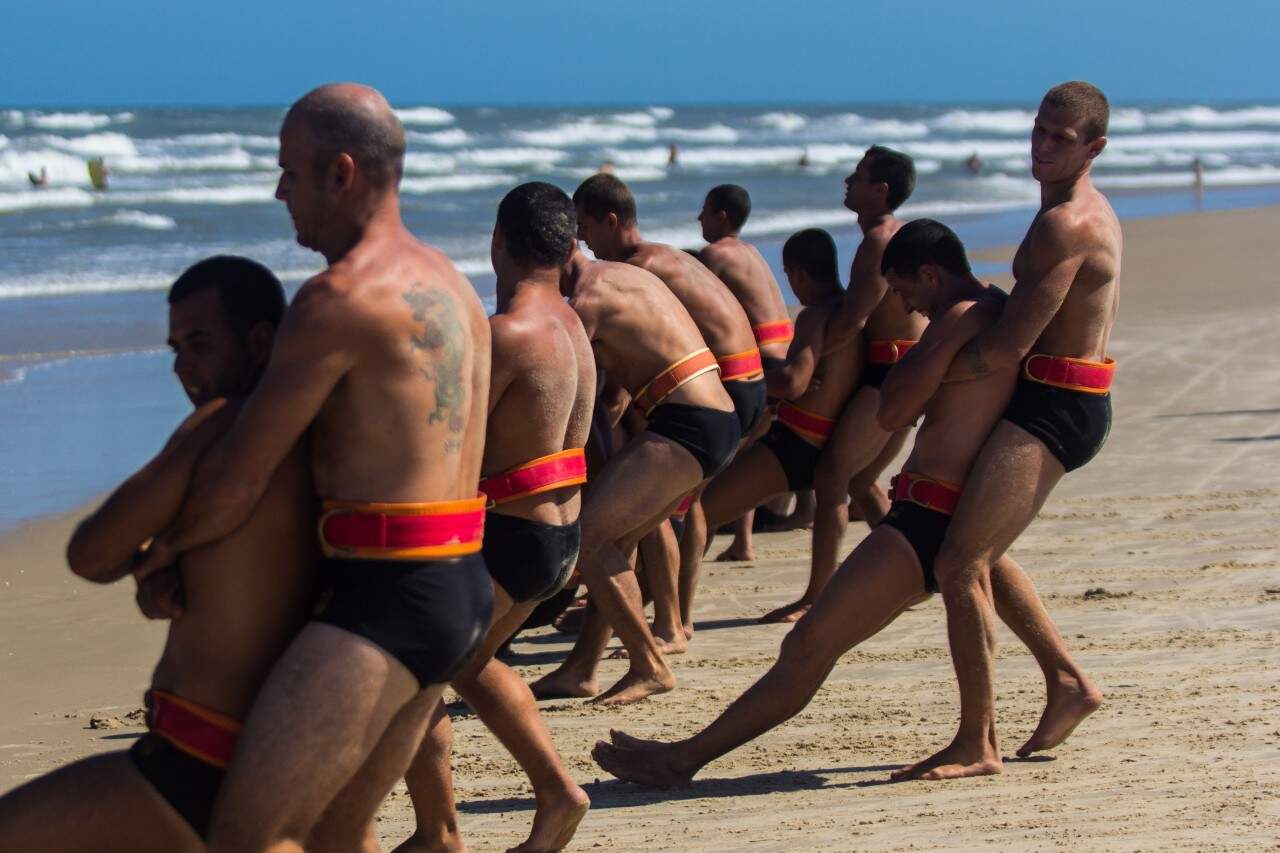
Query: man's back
[1082, 227]
[542, 356]
[720, 318]
[837, 373]
[743, 270]
[416, 395]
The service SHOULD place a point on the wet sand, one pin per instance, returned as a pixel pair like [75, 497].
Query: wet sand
[1178, 521]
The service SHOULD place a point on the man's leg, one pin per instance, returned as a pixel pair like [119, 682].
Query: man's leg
[1070, 695]
[661, 554]
[741, 548]
[855, 442]
[755, 475]
[324, 710]
[864, 490]
[880, 579]
[1008, 484]
[101, 803]
[575, 678]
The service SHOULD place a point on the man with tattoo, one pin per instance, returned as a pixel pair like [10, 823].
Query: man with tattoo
[541, 394]
[650, 348]
[1054, 329]
[893, 567]
[251, 590]
[859, 449]
[607, 219]
[385, 356]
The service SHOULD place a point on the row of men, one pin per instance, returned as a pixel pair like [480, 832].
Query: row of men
[387, 393]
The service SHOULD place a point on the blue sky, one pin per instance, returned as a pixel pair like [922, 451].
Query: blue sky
[73, 52]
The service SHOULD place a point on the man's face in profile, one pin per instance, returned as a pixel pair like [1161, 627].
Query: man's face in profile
[209, 358]
[1058, 147]
[299, 184]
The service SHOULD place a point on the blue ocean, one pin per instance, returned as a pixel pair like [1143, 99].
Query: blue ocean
[85, 389]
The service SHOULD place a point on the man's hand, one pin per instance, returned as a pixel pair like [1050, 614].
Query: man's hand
[161, 595]
[158, 555]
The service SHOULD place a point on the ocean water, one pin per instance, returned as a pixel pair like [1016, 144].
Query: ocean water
[85, 396]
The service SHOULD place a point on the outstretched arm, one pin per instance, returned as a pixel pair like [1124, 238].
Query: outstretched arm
[314, 349]
[1056, 254]
[916, 378]
[793, 378]
[104, 545]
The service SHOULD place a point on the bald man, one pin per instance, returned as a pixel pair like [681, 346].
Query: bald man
[385, 355]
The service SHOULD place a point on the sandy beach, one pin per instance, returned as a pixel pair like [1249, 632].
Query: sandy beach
[1175, 530]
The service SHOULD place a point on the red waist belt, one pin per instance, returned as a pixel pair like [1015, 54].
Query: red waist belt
[888, 352]
[804, 423]
[544, 474]
[925, 491]
[402, 531]
[665, 383]
[197, 731]
[741, 366]
[777, 332]
[1074, 374]
[683, 509]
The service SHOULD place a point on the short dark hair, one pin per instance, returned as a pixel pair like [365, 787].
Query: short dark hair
[814, 251]
[366, 128]
[920, 242]
[886, 166]
[602, 194]
[1085, 103]
[249, 292]
[538, 223]
[734, 200]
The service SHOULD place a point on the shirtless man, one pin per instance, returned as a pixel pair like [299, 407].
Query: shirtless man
[607, 217]
[251, 590]
[892, 568]
[646, 343]
[859, 449]
[541, 394]
[385, 355]
[1056, 325]
[786, 458]
[742, 269]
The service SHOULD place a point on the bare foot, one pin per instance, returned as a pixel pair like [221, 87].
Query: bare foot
[654, 768]
[555, 821]
[562, 684]
[622, 740]
[414, 844]
[787, 612]
[570, 621]
[736, 553]
[1067, 706]
[635, 687]
[677, 646]
[957, 761]
[688, 631]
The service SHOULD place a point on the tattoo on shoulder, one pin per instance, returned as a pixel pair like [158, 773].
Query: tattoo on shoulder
[976, 364]
[441, 342]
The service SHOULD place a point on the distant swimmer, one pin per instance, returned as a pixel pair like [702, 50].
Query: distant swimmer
[803, 162]
[974, 164]
[1197, 175]
[99, 172]
[1054, 330]
[893, 567]
[607, 168]
[384, 357]
[39, 179]
[673, 155]
[235, 605]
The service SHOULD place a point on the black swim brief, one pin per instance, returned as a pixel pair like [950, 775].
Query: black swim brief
[772, 362]
[798, 458]
[924, 529]
[428, 614]
[186, 783]
[1072, 424]
[750, 401]
[873, 375]
[710, 435]
[529, 559]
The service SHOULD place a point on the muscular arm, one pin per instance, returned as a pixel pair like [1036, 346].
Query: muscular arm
[916, 378]
[313, 350]
[867, 288]
[793, 378]
[104, 545]
[1057, 252]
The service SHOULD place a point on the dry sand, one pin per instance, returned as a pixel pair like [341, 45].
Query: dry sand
[1179, 519]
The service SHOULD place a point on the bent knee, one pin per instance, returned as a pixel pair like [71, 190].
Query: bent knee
[954, 572]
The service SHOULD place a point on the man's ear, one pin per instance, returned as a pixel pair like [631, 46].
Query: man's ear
[1096, 146]
[343, 171]
[261, 338]
[612, 220]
